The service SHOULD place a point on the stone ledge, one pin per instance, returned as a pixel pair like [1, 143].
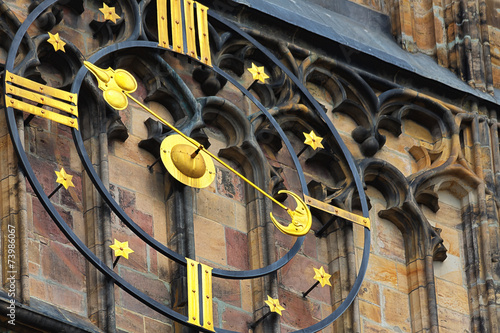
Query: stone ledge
[45, 317]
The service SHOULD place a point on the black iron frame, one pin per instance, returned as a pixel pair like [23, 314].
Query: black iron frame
[107, 271]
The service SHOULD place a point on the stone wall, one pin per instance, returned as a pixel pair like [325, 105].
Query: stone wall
[428, 165]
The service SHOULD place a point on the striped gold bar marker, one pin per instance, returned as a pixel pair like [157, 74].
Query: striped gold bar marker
[201, 14]
[31, 91]
[190, 28]
[189, 31]
[162, 24]
[177, 31]
[200, 305]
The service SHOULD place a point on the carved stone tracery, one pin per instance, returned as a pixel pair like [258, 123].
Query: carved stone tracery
[250, 143]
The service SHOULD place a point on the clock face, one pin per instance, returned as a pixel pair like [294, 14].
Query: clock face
[208, 148]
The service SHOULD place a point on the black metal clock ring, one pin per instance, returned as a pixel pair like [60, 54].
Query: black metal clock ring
[83, 249]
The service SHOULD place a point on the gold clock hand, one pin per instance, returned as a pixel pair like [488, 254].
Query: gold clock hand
[117, 85]
[202, 148]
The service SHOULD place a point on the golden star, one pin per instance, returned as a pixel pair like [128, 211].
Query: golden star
[109, 13]
[322, 276]
[258, 73]
[121, 249]
[274, 305]
[56, 41]
[313, 140]
[64, 179]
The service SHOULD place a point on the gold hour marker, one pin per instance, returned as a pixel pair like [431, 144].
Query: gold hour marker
[195, 33]
[26, 91]
[200, 285]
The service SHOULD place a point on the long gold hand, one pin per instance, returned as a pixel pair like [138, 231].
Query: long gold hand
[118, 85]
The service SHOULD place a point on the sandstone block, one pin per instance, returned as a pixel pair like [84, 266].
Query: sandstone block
[370, 311]
[210, 240]
[382, 270]
[237, 249]
[396, 310]
[452, 296]
[129, 321]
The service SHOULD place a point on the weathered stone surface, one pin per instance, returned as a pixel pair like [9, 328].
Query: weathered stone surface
[66, 299]
[38, 289]
[230, 185]
[396, 310]
[416, 272]
[63, 265]
[210, 239]
[452, 296]
[425, 31]
[151, 325]
[383, 271]
[233, 234]
[223, 212]
[142, 182]
[299, 312]
[370, 311]
[237, 249]
[388, 241]
[227, 291]
[44, 226]
[148, 284]
[369, 327]
[450, 270]
[299, 274]
[235, 320]
[451, 321]
[370, 292]
[129, 321]
[130, 151]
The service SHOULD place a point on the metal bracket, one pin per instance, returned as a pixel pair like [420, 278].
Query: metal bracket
[358, 219]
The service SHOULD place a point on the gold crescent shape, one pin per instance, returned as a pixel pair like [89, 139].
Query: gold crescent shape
[301, 218]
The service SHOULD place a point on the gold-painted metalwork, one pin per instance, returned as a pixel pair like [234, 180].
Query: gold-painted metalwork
[206, 282]
[109, 13]
[186, 162]
[194, 31]
[202, 18]
[274, 305]
[190, 28]
[258, 73]
[161, 12]
[64, 179]
[301, 216]
[200, 289]
[114, 83]
[28, 90]
[358, 219]
[40, 88]
[313, 140]
[56, 42]
[121, 249]
[321, 276]
[176, 19]
[42, 99]
[193, 292]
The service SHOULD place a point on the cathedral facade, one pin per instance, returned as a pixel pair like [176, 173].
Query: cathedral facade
[249, 166]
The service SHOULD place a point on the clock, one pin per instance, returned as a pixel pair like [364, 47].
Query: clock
[254, 140]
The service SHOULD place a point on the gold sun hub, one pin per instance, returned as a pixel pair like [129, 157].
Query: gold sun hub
[193, 167]
[187, 162]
